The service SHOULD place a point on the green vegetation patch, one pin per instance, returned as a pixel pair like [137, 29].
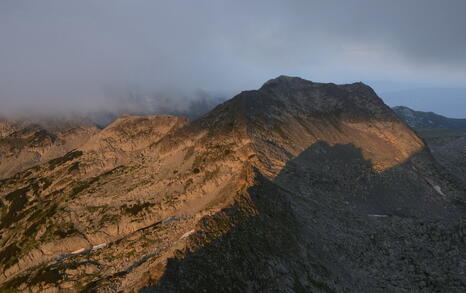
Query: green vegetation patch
[18, 201]
[212, 154]
[74, 167]
[46, 275]
[116, 170]
[13, 284]
[81, 186]
[9, 255]
[109, 218]
[45, 183]
[68, 157]
[135, 208]
[85, 184]
[66, 230]
[37, 219]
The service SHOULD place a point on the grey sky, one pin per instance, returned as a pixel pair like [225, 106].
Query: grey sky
[61, 55]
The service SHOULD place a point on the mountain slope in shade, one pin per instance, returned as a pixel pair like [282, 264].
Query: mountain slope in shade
[295, 187]
[450, 151]
[419, 119]
[446, 137]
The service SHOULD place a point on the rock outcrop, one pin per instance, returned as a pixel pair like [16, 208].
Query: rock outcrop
[24, 144]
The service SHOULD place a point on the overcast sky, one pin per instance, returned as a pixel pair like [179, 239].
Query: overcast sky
[82, 55]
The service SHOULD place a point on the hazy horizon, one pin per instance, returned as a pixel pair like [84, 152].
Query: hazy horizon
[165, 56]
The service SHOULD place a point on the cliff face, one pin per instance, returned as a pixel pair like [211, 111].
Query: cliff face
[297, 186]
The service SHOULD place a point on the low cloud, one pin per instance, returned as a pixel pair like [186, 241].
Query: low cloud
[138, 56]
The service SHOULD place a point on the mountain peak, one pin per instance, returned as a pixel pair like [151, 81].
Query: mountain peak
[284, 80]
[294, 82]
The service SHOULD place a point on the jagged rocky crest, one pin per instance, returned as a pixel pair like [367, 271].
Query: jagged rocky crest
[295, 187]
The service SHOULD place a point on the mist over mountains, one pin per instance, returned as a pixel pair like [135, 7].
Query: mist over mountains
[91, 56]
[232, 146]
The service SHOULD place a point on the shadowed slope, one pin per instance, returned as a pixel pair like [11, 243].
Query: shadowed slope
[338, 228]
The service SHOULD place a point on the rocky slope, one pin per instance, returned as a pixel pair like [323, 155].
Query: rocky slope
[24, 143]
[295, 187]
[450, 151]
[446, 137]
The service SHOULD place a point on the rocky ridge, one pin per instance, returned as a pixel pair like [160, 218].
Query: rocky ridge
[297, 186]
[24, 144]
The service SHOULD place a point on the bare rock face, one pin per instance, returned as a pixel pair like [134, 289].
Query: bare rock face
[295, 187]
[24, 144]
[125, 139]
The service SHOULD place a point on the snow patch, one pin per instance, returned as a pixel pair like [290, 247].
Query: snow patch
[187, 234]
[78, 251]
[96, 247]
[439, 190]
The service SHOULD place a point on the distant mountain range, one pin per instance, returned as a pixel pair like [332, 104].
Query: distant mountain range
[419, 119]
[446, 137]
[447, 101]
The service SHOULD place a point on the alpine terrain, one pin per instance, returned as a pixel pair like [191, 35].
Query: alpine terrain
[446, 137]
[294, 187]
[419, 119]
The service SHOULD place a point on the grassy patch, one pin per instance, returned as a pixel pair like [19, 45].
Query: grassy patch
[109, 218]
[9, 255]
[68, 157]
[74, 167]
[81, 186]
[13, 284]
[116, 170]
[135, 208]
[18, 201]
[212, 154]
[46, 275]
[66, 230]
[45, 183]
[94, 209]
